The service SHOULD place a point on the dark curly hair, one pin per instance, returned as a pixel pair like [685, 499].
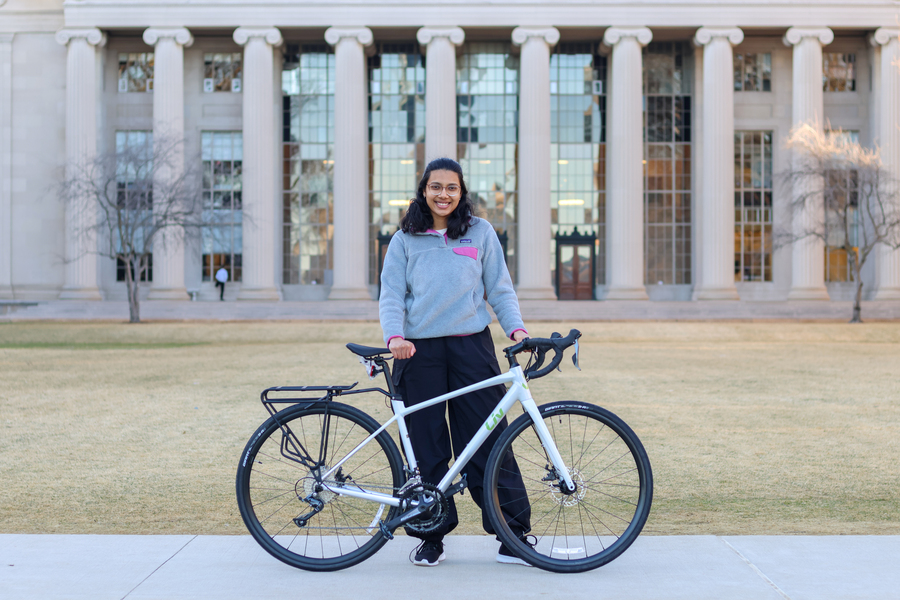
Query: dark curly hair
[418, 217]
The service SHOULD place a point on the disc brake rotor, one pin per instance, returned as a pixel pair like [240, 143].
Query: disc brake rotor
[569, 499]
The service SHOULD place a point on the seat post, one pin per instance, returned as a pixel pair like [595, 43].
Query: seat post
[387, 374]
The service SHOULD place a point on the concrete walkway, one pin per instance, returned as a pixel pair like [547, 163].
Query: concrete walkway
[99, 567]
[532, 310]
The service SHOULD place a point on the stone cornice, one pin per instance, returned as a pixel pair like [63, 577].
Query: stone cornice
[94, 36]
[181, 35]
[705, 35]
[520, 35]
[795, 35]
[884, 35]
[455, 34]
[272, 35]
[613, 35]
[363, 35]
[866, 14]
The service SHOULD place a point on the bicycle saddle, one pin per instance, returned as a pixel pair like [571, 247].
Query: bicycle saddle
[367, 351]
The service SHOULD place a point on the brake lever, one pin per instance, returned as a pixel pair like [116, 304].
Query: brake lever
[575, 356]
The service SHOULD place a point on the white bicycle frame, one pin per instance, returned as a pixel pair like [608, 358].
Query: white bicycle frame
[518, 392]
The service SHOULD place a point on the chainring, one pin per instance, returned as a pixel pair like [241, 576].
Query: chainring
[439, 512]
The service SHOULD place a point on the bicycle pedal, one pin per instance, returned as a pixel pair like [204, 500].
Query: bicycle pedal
[385, 531]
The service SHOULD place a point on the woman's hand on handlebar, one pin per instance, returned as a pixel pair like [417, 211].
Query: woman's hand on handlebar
[401, 348]
[519, 335]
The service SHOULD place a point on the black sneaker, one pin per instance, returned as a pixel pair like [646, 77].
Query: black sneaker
[429, 554]
[506, 556]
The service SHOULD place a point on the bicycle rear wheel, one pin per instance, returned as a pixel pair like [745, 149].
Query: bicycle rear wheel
[273, 481]
[614, 488]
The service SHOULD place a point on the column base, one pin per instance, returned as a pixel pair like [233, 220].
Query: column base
[80, 293]
[722, 293]
[349, 293]
[267, 294]
[623, 293]
[810, 293]
[175, 293]
[890, 293]
[536, 293]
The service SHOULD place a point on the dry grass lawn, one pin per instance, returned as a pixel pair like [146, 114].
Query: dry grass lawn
[752, 428]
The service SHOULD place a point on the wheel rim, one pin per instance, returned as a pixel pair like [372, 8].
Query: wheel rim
[276, 485]
[601, 517]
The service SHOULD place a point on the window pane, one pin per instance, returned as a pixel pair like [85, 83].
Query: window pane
[396, 134]
[221, 234]
[753, 206]
[487, 80]
[838, 72]
[668, 75]
[307, 163]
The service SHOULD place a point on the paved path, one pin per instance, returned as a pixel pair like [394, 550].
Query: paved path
[532, 310]
[172, 567]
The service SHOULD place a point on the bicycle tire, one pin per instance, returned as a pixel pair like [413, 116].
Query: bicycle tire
[601, 519]
[271, 486]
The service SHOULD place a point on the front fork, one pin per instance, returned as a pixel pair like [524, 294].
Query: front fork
[567, 485]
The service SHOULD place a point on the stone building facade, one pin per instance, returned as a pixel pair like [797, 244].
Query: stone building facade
[622, 150]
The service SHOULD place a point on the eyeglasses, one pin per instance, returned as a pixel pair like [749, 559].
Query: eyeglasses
[436, 189]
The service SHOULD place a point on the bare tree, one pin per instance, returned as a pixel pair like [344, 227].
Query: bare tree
[132, 200]
[848, 198]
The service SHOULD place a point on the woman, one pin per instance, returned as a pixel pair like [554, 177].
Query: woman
[437, 272]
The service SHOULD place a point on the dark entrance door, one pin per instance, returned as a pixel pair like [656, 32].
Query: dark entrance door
[575, 266]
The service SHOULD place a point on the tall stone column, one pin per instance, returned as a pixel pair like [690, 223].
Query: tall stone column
[717, 187]
[533, 212]
[808, 253]
[259, 166]
[351, 213]
[6, 291]
[81, 151]
[440, 89]
[887, 261]
[168, 143]
[624, 165]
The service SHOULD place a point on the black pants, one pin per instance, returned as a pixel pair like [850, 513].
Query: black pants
[441, 365]
[222, 291]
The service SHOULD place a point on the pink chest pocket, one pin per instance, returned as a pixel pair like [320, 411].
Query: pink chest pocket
[470, 252]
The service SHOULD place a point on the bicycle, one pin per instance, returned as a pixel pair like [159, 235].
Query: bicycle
[322, 486]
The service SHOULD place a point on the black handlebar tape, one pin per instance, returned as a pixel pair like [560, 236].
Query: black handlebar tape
[556, 343]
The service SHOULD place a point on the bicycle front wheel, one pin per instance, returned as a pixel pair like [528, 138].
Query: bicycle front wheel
[594, 524]
[296, 517]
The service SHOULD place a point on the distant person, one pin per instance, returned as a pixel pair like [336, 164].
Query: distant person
[221, 278]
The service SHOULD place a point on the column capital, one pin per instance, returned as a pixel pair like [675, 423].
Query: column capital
[884, 35]
[455, 34]
[520, 35]
[705, 35]
[94, 36]
[795, 35]
[181, 35]
[613, 35]
[271, 35]
[363, 35]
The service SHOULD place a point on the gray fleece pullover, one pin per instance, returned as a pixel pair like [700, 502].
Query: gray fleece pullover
[433, 286]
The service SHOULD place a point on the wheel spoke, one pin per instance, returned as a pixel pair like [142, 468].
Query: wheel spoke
[344, 531]
[584, 529]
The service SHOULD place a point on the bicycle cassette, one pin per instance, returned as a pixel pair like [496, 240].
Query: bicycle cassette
[438, 513]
